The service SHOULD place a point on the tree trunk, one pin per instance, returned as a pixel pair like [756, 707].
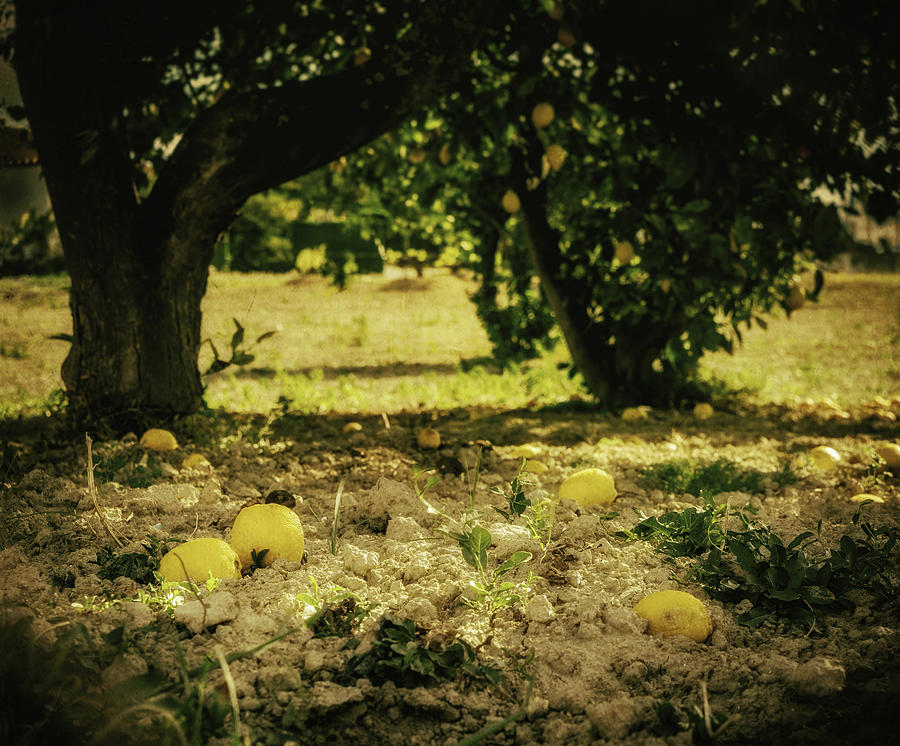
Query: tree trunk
[139, 270]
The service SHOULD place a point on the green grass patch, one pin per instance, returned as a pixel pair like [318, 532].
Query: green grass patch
[679, 476]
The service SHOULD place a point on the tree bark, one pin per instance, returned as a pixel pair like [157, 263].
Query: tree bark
[139, 269]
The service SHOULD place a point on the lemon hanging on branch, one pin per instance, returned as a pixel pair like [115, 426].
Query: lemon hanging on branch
[511, 202]
[542, 115]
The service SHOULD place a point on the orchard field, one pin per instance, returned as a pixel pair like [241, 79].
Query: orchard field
[389, 630]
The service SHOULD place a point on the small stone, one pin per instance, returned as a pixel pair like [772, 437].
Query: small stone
[215, 609]
[818, 677]
[539, 609]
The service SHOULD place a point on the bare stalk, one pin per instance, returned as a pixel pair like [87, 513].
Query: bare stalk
[92, 490]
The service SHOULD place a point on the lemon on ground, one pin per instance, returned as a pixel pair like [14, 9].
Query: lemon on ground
[526, 450]
[589, 487]
[533, 466]
[703, 411]
[197, 558]
[824, 458]
[863, 496]
[511, 202]
[542, 115]
[196, 461]
[675, 613]
[891, 455]
[157, 439]
[428, 437]
[267, 526]
[634, 413]
[352, 427]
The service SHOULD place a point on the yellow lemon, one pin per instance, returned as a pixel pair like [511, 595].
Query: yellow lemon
[891, 455]
[675, 613]
[157, 439]
[511, 202]
[536, 467]
[863, 496]
[445, 156]
[542, 115]
[197, 558]
[795, 297]
[666, 284]
[556, 155]
[703, 411]
[428, 437]
[526, 450]
[625, 252]
[417, 155]
[634, 413]
[824, 458]
[196, 461]
[352, 427]
[589, 487]
[267, 526]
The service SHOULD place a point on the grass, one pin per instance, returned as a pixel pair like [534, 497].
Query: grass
[395, 342]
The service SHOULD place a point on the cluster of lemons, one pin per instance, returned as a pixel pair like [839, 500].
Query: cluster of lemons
[261, 534]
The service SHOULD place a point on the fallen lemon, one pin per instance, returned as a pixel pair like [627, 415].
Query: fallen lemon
[589, 487]
[196, 461]
[352, 427]
[511, 202]
[542, 115]
[533, 466]
[891, 455]
[428, 437]
[703, 411]
[675, 613]
[634, 413]
[195, 559]
[824, 457]
[157, 439]
[863, 496]
[272, 527]
[526, 450]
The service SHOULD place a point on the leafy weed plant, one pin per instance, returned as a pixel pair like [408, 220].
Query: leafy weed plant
[336, 613]
[538, 514]
[701, 479]
[401, 654]
[491, 591]
[794, 582]
[139, 566]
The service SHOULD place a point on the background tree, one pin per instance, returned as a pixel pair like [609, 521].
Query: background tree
[671, 196]
[156, 121]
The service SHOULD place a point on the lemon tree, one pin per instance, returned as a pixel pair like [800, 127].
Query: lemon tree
[266, 532]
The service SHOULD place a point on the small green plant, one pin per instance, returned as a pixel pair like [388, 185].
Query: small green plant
[690, 532]
[139, 566]
[874, 475]
[709, 479]
[401, 654]
[14, 351]
[336, 613]
[704, 725]
[240, 355]
[538, 514]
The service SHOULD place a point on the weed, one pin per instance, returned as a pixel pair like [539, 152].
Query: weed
[788, 582]
[15, 351]
[701, 479]
[875, 473]
[139, 566]
[337, 613]
[538, 514]
[401, 654]
[239, 354]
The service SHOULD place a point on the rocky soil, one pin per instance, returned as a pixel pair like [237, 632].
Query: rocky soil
[569, 664]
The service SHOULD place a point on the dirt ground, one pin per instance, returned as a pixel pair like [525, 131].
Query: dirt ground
[576, 665]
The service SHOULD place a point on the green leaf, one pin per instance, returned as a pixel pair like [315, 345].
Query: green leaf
[516, 559]
[238, 335]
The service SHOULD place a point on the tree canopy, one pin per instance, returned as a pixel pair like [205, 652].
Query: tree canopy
[666, 201]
